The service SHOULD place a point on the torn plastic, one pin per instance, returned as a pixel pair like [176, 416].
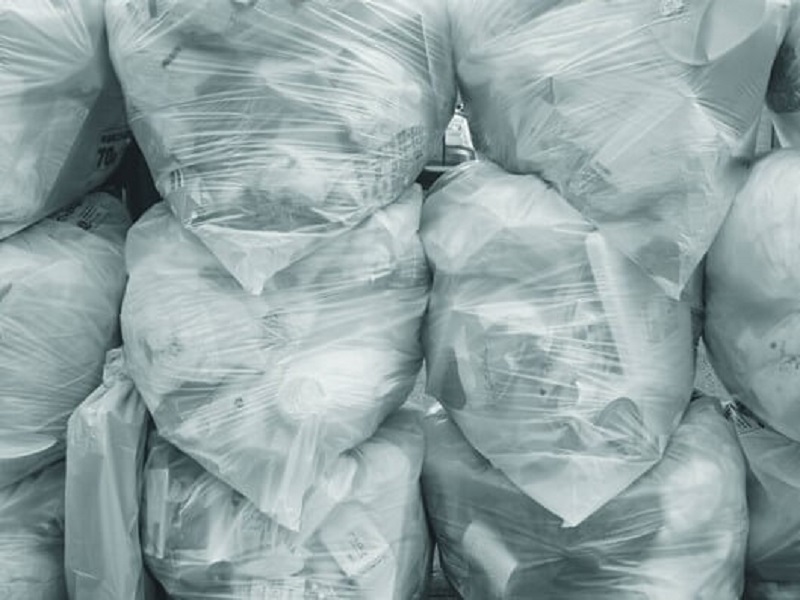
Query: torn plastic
[634, 110]
[265, 391]
[61, 285]
[63, 118]
[773, 485]
[539, 329]
[363, 537]
[32, 537]
[678, 533]
[752, 327]
[272, 126]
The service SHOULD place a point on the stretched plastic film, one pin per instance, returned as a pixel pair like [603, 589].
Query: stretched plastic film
[559, 359]
[264, 391]
[32, 537]
[783, 95]
[678, 533]
[105, 457]
[752, 328]
[634, 110]
[272, 126]
[364, 535]
[773, 485]
[63, 118]
[61, 285]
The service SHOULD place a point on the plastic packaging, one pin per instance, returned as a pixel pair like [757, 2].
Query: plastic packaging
[752, 328]
[633, 110]
[272, 126]
[364, 535]
[264, 391]
[678, 533]
[105, 457]
[61, 285]
[783, 95]
[32, 537]
[773, 485]
[63, 119]
[539, 329]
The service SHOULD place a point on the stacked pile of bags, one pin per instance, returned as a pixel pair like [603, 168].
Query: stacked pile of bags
[271, 321]
[566, 297]
[62, 273]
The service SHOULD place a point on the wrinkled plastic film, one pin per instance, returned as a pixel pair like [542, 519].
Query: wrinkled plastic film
[783, 95]
[539, 328]
[272, 127]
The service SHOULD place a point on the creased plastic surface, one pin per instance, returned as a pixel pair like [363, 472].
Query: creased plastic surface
[61, 285]
[62, 118]
[264, 391]
[105, 456]
[562, 363]
[364, 534]
[752, 328]
[679, 533]
[773, 486]
[32, 537]
[783, 95]
[632, 109]
[272, 126]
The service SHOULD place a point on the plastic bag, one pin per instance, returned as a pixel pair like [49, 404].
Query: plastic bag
[752, 328]
[539, 329]
[272, 126]
[32, 537]
[264, 391]
[783, 95]
[364, 534]
[632, 109]
[63, 120]
[773, 485]
[105, 457]
[678, 533]
[61, 285]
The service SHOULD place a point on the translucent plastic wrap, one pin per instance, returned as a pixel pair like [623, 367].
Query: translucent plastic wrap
[679, 533]
[105, 456]
[62, 118]
[752, 328]
[559, 359]
[61, 284]
[364, 534]
[32, 537]
[632, 109]
[271, 126]
[264, 391]
[773, 487]
[783, 96]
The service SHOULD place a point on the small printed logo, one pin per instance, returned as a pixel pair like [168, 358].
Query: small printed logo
[670, 8]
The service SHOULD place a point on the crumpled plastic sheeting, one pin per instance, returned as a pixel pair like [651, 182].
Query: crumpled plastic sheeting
[364, 534]
[105, 457]
[783, 95]
[559, 359]
[61, 285]
[264, 391]
[752, 328]
[272, 126]
[773, 486]
[32, 537]
[678, 533]
[63, 118]
[634, 109]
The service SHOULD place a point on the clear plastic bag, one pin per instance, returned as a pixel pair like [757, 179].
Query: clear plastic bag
[678, 533]
[271, 127]
[61, 285]
[264, 391]
[633, 110]
[105, 457]
[752, 326]
[363, 537]
[559, 359]
[773, 486]
[32, 537]
[63, 119]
